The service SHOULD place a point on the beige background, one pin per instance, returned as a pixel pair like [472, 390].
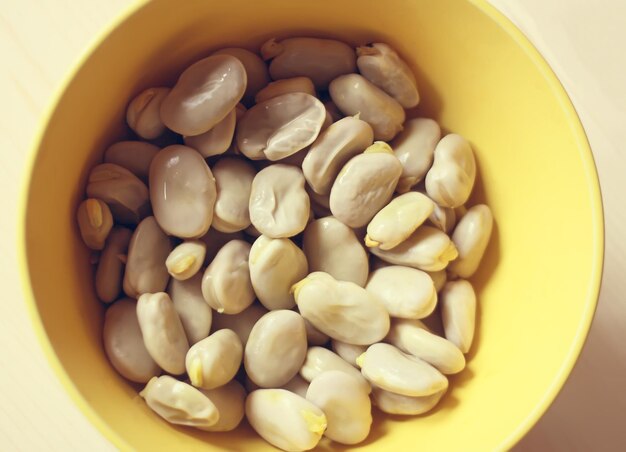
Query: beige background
[584, 42]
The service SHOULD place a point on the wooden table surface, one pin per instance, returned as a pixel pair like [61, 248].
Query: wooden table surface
[584, 42]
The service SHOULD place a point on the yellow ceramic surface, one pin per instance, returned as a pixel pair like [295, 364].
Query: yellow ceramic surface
[478, 76]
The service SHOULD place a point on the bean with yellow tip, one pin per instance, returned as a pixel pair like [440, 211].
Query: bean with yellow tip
[364, 186]
[414, 338]
[186, 259]
[180, 403]
[341, 309]
[320, 360]
[406, 292]
[285, 420]
[427, 249]
[214, 361]
[388, 368]
[226, 283]
[95, 222]
[395, 222]
[346, 405]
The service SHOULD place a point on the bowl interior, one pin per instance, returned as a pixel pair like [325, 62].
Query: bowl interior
[478, 77]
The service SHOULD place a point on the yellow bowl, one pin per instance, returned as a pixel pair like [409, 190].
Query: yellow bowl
[478, 76]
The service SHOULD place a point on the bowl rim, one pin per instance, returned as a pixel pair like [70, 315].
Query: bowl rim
[567, 107]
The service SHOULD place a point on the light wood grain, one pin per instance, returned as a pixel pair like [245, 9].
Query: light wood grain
[583, 41]
[39, 41]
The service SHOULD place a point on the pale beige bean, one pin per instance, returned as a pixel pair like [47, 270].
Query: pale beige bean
[427, 249]
[348, 352]
[391, 403]
[110, 271]
[94, 222]
[215, 360]
[413, 337]
[341, 309]
[382, 66]
[125, 194]
[331, 247]
[233, 178]
[186, 259]
[230, 401]
[333, 148]
[450, 180]
[285, 420]
[347, 407]
[388, 368]
[319, 360]
[297, 385]
[135, 156]
[321, 60]
[439, 279]
[162, 331]
[414, 147]
[145, 266]
[279, 205]
[215, 240]
[276, 348]
[143, 113]
[395, 222]
[313, 335]
[256, 70]
[217, 140]
[285, 86]
[241, 323]
[275, 266]
[364, 185]
[406, 292]
[280, 126]
[123, 343]
[180, 403]
[458, 313]
[471, 237]
[182, 192]
[226, 284]
[204, 94]
[195, 315]
[354, 94]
